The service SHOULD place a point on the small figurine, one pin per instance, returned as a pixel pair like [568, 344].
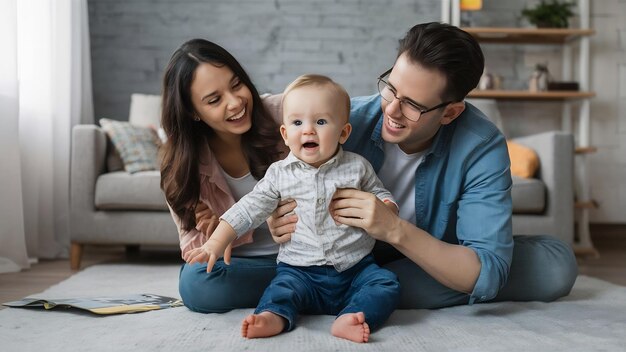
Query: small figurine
[539, 79]
[486, 81]
[489, 80]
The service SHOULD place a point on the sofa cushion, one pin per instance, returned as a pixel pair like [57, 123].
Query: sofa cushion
[123, 191]
[114, 160]
[529, 195]
[524, 160]
[138, 146]
[141, 191]
[145, 110]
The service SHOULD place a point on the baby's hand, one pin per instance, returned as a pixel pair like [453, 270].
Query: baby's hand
[209, 253]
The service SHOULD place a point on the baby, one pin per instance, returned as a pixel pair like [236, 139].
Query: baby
[326, 267]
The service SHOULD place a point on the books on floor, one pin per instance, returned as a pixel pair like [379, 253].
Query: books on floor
[134, 303]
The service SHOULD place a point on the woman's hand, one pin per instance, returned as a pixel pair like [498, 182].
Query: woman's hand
[280, 224]
[362, 209]
[206, 220]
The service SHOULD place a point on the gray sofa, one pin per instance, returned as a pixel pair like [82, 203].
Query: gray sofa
[118, 208]
[545, 204]
[115, 208]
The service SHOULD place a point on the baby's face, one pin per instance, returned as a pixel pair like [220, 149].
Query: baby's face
[314, 124]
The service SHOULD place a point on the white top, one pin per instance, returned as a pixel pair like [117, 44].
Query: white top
[263, 243]
[317, 240]
[398, 173]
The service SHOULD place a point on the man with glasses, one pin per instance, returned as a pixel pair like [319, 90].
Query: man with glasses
[448, 168]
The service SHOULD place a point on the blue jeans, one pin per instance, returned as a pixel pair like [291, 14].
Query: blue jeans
[543, 269]
[226, 287]
[365, 287]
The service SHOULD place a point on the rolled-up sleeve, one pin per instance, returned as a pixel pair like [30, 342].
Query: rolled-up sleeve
[484, 216]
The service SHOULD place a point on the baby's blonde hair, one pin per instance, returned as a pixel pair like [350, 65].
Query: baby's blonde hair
[320, 80]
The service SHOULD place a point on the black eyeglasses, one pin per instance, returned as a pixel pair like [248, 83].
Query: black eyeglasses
[409, 109]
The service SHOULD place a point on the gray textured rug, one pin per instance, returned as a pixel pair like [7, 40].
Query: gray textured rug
[593, 317]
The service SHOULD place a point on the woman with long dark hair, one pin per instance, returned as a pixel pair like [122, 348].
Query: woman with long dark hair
[220, 142]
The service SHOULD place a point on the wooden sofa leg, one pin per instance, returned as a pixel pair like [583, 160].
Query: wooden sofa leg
[76, 253]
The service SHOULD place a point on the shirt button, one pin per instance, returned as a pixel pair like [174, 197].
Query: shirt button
[320, 201]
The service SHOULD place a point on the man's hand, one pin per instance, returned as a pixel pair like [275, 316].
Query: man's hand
[280, 224]
[362, 209]
[206, 222]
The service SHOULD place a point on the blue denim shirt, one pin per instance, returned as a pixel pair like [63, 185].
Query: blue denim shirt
[462, 188]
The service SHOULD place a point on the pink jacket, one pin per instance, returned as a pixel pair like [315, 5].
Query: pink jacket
[215, 193]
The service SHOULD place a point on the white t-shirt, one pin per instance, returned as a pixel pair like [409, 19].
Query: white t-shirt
[263, 243]
[398, 176]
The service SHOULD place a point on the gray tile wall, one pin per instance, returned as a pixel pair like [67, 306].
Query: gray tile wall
[350, 40]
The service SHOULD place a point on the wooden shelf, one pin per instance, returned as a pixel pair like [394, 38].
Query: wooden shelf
[566, 38]
[527, 35]
[528, 95]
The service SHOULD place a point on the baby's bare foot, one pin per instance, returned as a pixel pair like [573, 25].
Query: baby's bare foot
[351, 326]
[265, 324]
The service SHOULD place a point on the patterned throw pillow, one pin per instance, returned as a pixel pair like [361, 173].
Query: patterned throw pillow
[138, 146]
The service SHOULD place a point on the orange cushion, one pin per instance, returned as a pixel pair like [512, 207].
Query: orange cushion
[524, 160]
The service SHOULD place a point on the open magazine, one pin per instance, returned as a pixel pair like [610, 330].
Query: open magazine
[103, 305]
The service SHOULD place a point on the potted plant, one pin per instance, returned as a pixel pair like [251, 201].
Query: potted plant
[553, 14]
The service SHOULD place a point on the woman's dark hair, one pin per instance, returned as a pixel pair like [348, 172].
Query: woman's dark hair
[186, 138]
[451, 51]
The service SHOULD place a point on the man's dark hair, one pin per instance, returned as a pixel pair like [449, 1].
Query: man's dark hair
[451, 51]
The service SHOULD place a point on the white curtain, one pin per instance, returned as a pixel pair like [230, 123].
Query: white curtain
[54, 94]
[12, 242]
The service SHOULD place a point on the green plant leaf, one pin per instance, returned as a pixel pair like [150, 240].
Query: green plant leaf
[550, 14]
